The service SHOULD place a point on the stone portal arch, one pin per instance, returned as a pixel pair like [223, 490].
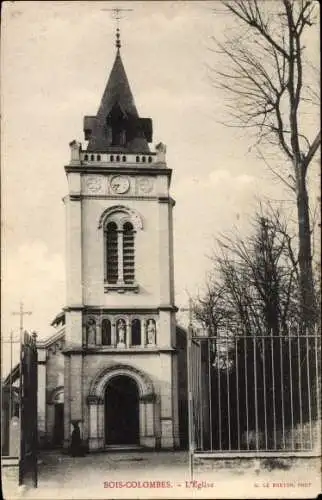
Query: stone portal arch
[148, 407]
[98, 386]
[56, 395]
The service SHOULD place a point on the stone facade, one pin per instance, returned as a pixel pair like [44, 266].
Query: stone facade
[98, 369]
[120, 339]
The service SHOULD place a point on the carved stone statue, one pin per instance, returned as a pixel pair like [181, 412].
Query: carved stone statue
[121, 331]
[161, 150]
[151, 330]
[161, 147]
[75, 148]
[91, 332]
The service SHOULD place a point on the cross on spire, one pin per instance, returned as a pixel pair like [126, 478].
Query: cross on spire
[117, 16]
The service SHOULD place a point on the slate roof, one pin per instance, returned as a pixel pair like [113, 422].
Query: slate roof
[118, 104]
[117, 90]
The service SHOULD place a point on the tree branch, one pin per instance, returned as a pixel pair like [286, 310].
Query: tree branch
[311, 152]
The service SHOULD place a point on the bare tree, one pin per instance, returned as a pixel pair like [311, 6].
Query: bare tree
[255, 281]
[210, 310]
[267, 83]
[253, 298]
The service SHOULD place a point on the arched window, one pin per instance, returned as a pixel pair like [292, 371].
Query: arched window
[85, 157]
[136, 332]
[111, 238]
[120, 225]
[118, 158]
[150, 159]
[92, 157]
[137, 159]
[128, 253]
[111, 158]
[98, 157]
[143, 159]
[106, 332]
[123, 158]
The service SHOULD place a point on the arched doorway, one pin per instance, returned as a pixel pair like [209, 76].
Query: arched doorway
[56, 416]
[58, 432]
[122, 411]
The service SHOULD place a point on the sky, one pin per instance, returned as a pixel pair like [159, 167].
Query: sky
[56, 58]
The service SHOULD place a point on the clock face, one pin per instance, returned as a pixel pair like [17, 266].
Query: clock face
[120, 184]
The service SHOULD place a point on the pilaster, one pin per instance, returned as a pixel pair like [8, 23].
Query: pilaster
[76, 389]
[164, 252]
[143, 332]
[41, 414]
[74, 241]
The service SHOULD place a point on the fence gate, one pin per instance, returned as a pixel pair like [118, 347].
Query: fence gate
[254, 395]
[28, 410]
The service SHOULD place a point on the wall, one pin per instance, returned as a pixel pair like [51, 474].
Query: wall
[55, 379]
[151, 364]
[146, 256]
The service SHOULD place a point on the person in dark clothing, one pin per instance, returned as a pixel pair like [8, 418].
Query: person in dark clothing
[76, 442]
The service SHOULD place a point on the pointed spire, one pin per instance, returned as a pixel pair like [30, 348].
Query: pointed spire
[117, 125]
[118, 91]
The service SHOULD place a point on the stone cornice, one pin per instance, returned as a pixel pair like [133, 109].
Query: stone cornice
[111, 310]
[160, 199]
[171, 308]
[87, 351]
[104, 169]
[74, 197]
[166, 199]
[74, 308]
[115, 197]
[44, 344]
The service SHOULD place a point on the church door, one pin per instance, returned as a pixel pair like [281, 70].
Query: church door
[58, 436]
[122, 411]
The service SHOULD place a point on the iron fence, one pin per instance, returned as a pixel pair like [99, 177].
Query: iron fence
[255, 394]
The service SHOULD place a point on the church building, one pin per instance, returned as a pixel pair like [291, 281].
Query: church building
[116, 367]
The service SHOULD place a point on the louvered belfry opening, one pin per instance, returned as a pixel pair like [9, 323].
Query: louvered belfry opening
[111, 253]
[128, 253]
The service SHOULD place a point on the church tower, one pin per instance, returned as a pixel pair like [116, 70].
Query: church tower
[121, 376]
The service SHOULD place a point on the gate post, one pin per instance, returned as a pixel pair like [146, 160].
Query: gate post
[28, 408]
[190, 401]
